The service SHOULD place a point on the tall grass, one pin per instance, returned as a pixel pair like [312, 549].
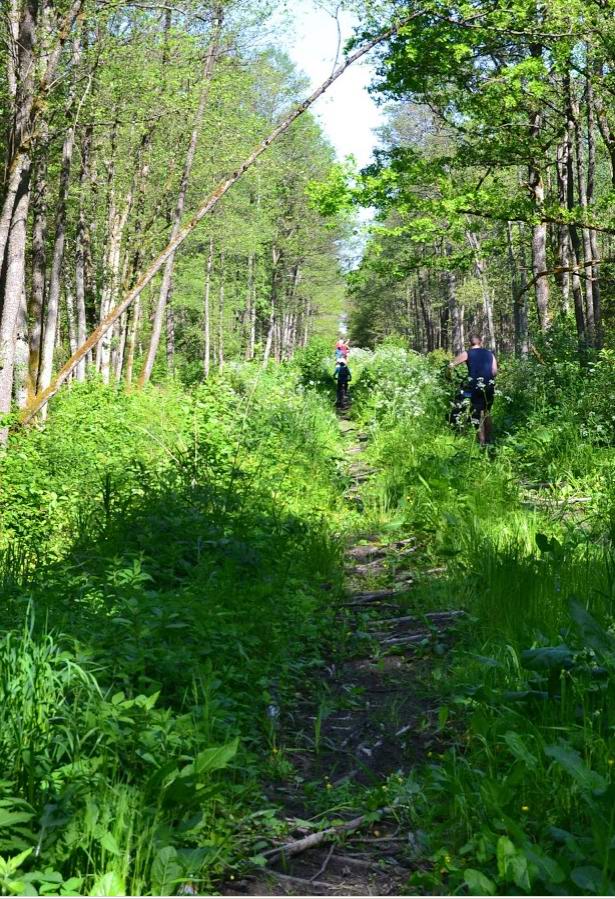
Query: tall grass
[522, 800]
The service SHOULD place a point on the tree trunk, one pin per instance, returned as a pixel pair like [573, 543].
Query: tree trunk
[275, 262]
[207, 309]
[22, 351]
[81, 250]
[250, 310]
[594, 251]
[563, 243]
[454, 310]
[519, 293]
[70, 315]
[170, 347]
[607, 133]
[575, 243]
[481, 273]
[132, 341]
[13, 295]
[57, 259]
[121, 348]
[221, 313]
[167, 275]
[39, 274]
[584, 261]
[539, 232]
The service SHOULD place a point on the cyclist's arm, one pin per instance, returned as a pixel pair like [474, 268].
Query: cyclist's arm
[458, 360]
[494, 367]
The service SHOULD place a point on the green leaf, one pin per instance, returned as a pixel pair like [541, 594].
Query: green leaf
[216, 758]
[109, 843]
[592, 633]
[166, 871]
[14, 863]
[512, 864]
[547, 658]
[72, 886]
[548, 869]
[504, 852]
[519, 749]
[22, 888]
[8, 818]
[478, 883]
[588, 878]
[110, 884]
[573, 764]
[443, 713]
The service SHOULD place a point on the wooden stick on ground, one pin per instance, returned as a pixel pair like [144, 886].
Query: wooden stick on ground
[315, 839]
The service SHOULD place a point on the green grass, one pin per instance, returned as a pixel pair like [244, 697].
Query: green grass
[169, 564]
[521, 801]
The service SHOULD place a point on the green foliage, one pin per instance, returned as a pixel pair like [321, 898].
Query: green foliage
[520, 800]
[164, 553]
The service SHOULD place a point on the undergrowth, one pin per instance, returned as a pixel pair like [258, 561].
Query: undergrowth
[521, 801]
[169, 561]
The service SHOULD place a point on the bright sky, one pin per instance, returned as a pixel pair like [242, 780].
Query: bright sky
[346, 110]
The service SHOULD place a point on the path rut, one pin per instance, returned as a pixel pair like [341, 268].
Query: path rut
[379, 720]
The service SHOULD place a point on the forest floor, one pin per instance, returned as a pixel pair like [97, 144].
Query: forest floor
[376, 719]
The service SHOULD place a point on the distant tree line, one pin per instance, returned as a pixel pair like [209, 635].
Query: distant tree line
[494, 186]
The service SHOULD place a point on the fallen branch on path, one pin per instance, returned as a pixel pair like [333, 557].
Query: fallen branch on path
[315, 839]
[302, 881]
[402, 641]
[365, 550]
[360, 599]
[545, 501]
[430, 616]
[324, 865]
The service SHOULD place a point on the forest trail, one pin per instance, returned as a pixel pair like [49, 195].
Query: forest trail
[378, 717]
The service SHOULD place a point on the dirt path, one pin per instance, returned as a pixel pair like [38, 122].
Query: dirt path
[375, 721]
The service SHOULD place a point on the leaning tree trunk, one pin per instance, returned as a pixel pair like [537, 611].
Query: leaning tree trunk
[209, 204]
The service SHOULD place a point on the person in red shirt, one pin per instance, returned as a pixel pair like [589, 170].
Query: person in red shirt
[341, 349]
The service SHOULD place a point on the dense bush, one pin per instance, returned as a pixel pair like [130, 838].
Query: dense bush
[163, 560]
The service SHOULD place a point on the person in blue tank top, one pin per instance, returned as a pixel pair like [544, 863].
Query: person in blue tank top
[482, 370]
